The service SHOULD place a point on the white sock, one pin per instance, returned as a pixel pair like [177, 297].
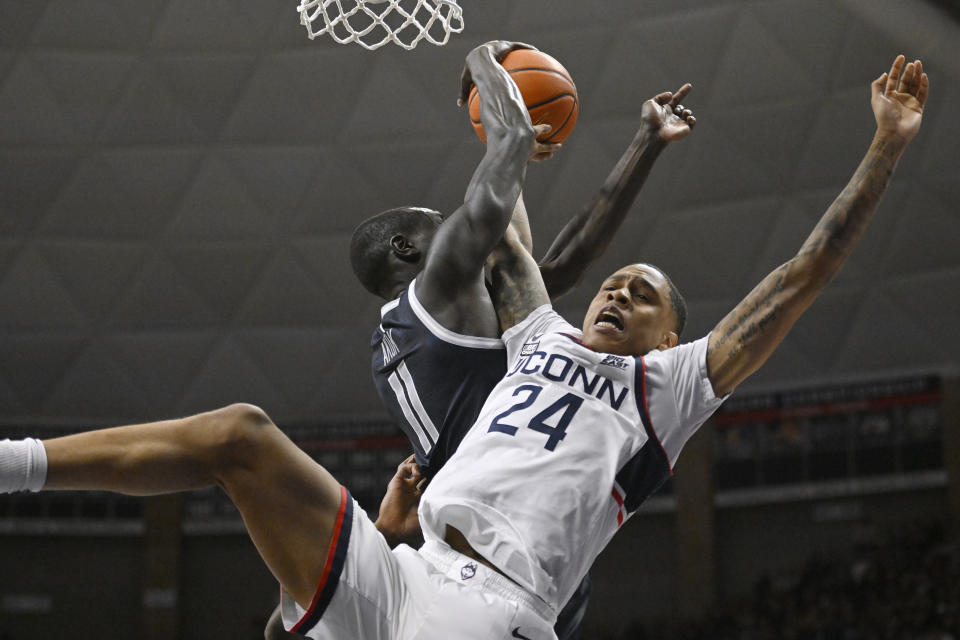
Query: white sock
[23, 465]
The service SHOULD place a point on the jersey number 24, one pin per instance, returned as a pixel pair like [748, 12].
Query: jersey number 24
[568, 405]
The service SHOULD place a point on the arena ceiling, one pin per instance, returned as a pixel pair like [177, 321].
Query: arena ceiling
[180, 179]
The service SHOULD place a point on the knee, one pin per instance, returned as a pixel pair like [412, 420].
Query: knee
[241, 430]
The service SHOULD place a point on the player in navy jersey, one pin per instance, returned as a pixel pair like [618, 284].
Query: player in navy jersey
[436, 356]
[437, 353]
[483, 572]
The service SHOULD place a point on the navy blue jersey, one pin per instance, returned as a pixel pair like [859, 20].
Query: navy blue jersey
[432, 380]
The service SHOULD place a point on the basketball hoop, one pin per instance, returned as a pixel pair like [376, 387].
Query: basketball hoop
[374, 23]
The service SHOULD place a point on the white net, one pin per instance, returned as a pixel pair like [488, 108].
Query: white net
[374, 23]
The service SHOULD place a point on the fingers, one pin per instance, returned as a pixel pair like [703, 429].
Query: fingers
[500, 48]
[912, 76]
[903, 77]
[907, 79]
[877, 86]
[923, 90]
[466, 83]
[524, 45]
[541, 151]
[671, 102]
[541, 130]
[409, 470]
[544, 151]
[893, 76]
[663, 98]
[672, 98]
[685, 114]
[681, 93]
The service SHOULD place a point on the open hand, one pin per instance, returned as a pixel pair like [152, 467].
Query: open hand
[898, 99]
[665, 114]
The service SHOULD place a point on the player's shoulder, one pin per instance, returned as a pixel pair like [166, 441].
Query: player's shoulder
[544, 319]
[684, 362]
[686, 352]
[681, 370]
[409, 316]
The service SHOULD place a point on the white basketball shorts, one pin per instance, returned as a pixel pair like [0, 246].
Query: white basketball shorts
[369, 592]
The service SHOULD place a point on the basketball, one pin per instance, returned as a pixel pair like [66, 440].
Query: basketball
[548, 93]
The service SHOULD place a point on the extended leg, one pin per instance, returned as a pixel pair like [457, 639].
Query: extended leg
[289, 503]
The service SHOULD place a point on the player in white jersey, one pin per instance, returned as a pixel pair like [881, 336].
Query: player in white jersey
[568, 445]
[585, 426]
[470, 581]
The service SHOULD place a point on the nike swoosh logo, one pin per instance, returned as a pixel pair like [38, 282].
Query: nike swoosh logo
[516, 634]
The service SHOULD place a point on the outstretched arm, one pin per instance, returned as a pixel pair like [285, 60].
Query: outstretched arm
[519, 284]
[748, 335]
[454, 267]
[588, 234]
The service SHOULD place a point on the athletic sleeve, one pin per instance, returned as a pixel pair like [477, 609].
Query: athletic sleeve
[678, 393]
[541, 320]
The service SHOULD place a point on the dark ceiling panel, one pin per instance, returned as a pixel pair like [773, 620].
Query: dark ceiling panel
[180, 180]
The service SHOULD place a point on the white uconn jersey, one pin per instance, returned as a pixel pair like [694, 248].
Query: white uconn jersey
[566, 448]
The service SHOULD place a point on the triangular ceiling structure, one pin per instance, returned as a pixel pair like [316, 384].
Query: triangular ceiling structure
[180, 181]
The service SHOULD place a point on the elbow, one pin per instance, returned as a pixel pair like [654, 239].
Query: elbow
[807, 275]
[490, 203]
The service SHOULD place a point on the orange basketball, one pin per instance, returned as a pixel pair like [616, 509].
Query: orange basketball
[548, 92]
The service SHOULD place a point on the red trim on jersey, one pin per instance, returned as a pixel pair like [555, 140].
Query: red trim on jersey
[617, 496]
[619, 499]
[326, 568]
[575, 339]
[646, 410]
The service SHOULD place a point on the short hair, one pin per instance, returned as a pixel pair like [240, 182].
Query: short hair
[677, 301]
[370, 244]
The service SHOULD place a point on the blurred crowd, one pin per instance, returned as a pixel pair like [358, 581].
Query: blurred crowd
[904, 587]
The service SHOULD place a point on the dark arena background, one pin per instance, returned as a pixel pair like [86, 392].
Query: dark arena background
[178, 185]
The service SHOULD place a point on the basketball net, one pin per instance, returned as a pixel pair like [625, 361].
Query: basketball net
[374, 23]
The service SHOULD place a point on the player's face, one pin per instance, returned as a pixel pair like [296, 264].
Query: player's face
[631, 314]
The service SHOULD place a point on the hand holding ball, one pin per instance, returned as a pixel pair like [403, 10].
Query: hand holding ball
[547, 89]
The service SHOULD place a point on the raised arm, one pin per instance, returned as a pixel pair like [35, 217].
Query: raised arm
[517, 288]
[588, 234]
[519, 284]
[746, 337]
[452, 280]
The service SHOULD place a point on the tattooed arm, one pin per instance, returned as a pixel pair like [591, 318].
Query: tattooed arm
[748, 335]
[517, 287]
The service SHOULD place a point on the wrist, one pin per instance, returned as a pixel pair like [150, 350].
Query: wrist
[648, 140]
[888, 147]
[386, 532]
[888, 143]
